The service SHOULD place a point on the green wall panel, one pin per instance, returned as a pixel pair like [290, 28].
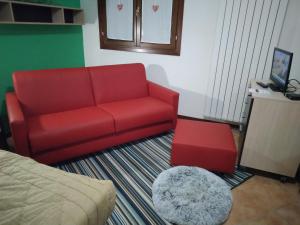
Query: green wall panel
[67, 3]
[27, 47]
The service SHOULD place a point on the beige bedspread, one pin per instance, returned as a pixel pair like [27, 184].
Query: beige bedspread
[35, 194]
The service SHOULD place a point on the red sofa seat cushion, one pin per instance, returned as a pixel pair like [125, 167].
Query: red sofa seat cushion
[63, 128]
[140, 112]
[55, 90]
[204, 144]
[118, 82]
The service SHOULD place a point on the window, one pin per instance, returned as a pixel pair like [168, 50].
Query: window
[151, 26]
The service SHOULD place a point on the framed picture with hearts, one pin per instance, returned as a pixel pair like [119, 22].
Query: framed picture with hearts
[149, 26]
[156, 21]
[119, 19]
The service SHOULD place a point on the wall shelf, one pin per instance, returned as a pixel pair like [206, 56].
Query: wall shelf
[15, 12]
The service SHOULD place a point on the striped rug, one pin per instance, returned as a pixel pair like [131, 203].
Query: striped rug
[133, 167]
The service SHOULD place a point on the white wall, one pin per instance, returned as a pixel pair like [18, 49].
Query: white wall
[188, 73]
[290, 36]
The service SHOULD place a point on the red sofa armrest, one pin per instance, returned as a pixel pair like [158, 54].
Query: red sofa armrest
[17, 124]
[167, 95]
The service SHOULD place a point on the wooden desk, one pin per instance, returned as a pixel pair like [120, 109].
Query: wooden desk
[270, 132]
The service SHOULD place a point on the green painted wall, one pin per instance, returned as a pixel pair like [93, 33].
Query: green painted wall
[26, 47]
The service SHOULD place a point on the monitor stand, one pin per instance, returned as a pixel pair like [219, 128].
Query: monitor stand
[274, 87]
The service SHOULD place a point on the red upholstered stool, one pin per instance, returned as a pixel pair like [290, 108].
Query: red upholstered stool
[204, 144]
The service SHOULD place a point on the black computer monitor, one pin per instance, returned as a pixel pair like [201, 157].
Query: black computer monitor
[280, 72]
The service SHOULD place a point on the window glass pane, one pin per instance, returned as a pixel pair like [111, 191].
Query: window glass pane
[156, 21]
[119, 17]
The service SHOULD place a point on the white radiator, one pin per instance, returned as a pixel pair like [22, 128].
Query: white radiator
[248, 31]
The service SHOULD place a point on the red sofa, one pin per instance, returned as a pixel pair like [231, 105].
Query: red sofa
[59, 114]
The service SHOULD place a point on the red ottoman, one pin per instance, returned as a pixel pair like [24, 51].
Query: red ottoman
[204, 144]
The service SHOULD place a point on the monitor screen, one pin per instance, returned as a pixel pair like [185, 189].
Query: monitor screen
[281, 68]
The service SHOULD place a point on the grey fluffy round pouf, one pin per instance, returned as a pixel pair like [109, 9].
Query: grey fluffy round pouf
[191, 196]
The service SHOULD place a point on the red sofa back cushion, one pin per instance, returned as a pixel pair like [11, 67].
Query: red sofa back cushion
[118, 82]
[55, 90]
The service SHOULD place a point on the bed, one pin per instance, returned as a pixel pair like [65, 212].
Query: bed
[35, 194]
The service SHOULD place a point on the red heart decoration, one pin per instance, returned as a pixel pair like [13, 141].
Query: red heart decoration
[155, 7]
[120, 6]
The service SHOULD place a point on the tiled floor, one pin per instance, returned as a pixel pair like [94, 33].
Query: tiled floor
[265, 201]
